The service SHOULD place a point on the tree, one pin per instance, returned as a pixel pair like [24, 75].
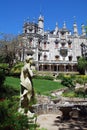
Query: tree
[82, 65]
[8, 43]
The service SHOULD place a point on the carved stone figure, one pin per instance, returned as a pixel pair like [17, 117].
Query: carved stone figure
[27, 91]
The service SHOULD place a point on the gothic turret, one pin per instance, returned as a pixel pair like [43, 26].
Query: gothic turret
[83, 30]
[75, 31]
[56, 29]
[40, 24]
[64, 25]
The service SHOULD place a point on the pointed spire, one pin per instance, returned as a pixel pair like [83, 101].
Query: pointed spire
[41, 18]
[74, 19]
[64, 25]
[83, 30]
[56, 26]
[75, 31]
[56, 29]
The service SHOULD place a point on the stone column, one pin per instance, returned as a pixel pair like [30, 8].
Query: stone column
[65, 68]
[50, 67]
[72, 67]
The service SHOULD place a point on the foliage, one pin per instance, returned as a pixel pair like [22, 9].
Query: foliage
[42, 129]
[4, 66]
[80, 81]
[82, 65]
[8, 48]
[44, 77]
[2, 60]
[68, 82]
[70, 94]
[16, 69]
[11, 120]
[60, 76]
[2, 78]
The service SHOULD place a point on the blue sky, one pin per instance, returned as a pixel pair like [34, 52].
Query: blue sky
[14, 12]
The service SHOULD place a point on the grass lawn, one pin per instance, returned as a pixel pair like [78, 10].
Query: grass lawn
[40, 85]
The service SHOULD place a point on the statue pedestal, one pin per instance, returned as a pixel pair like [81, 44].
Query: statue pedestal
[65, 112]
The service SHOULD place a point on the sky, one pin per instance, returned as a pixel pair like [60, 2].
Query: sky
[13, 13]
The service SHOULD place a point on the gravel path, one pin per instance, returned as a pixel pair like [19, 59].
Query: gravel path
[47, 121]
[50, 122]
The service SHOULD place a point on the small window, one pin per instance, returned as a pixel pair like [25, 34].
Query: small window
[45, 57]
[25, 30]
[56, 43]
[30, 41]
[56, 57]
[78, 57]
[70, 58]
[44, 45]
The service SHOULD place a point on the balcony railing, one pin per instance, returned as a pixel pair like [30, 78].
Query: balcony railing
[57, 62]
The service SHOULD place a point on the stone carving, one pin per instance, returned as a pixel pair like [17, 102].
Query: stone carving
[27, 91]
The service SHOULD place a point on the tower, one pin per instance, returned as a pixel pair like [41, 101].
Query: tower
[64, 25]
[40, 24]
[56, 29]
[75, 31]
[83, 30]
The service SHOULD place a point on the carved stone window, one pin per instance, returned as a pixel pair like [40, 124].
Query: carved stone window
[63, 52]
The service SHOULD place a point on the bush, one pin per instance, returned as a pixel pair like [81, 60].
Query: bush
[16, 69]
[80, 81]
[69, 94]
[68, 82]
[44, 77]
[11, 120]
[2, 77]
[60, 76]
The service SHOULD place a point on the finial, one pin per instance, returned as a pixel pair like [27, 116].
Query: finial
[27, 19]
[34, 19]
[74, 17]
[64, 25]
[57, 24]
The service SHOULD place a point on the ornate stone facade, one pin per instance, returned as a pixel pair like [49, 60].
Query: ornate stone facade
[56, 50]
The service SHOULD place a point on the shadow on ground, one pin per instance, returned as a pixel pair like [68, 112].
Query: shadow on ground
[72, 124]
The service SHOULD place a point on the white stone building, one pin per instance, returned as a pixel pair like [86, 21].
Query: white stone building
[56, 50]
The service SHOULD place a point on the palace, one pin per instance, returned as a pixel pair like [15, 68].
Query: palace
[56, 50]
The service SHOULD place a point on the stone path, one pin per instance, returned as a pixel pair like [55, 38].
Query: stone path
[50, 122]
[47, 121]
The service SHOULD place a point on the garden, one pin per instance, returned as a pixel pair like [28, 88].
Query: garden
[10, 119]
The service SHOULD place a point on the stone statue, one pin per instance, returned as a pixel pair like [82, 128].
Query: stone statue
[27, 91]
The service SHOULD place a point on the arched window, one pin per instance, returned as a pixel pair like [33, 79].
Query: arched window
[44, 45]
[56, 57]
[70, 58]
[45, 57]
[56, 43]
[69, 43]
[25, 30]
[30, 41]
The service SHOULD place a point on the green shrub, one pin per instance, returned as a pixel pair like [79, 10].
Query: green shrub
[68, 82]
[11, 120]
[2, 78]
[69, 94]
[44, 77]
[16, 69]
[60, 76]
[80, 81]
